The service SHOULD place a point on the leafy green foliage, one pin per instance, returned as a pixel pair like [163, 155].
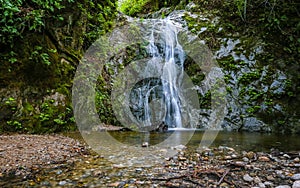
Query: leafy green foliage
[38, 56]
[132, 7]
[41, 42]
[53, 118]
[20, 15]
[242, 8]
[15, 124]
[100, 15]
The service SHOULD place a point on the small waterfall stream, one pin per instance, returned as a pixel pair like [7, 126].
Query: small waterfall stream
[159, 100]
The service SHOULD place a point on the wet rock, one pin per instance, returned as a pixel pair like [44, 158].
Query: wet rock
[239, 163]
[296, 184]
[287, 156]
[257, 180]
[224, 185]
[280, 174]
[296, 177]
[45, 183]
[59, 172]
[62, 183]
[270, 178]
[252, 124]
[181, 158]
[138, 170]
[179, 147]
[261, 185]
[145, 144]
[263, 159]
[116, 184]
[250, 155]
[297, 165]
[97, 172]
[245, 159]
[247, 178]
[283, 186]
[268, 183]
[234, 156]
[297, 160]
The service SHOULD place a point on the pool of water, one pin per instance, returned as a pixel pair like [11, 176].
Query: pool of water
[125, 147]
[237, 140]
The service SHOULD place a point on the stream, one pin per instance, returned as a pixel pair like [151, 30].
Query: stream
[125, 167]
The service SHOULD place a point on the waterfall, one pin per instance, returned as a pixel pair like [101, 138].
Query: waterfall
[159, 100]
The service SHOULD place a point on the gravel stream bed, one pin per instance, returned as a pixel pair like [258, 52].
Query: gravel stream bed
[59, 161]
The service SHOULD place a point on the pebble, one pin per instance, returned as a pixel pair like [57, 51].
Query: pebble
[247, 177]
[179, 147]
[286, 156]
[234, 156]
[296, 177]
[245, 159]
[62, 183]
[45, 183]
[283, 186]
[264, 159]
[270, 178]
[297, 160]
[280, 174]
[59, 172]
[224, 185]
[145, 144]
[250, 155]
[267, 183]
[296, 184]
[116, 184]
[138, 170]
[239, 163]
[180, 158]
[257, 180]
[230, 149]
[261, 185]
[97, 173]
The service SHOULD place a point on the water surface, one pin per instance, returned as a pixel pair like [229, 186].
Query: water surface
[237, 140]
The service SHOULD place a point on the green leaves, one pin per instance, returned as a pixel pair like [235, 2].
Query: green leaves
[20, 15]
[39, 56]
[130, 7]
[242, 8]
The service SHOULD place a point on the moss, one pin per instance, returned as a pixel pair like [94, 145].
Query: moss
[247, 78]
[45, 63]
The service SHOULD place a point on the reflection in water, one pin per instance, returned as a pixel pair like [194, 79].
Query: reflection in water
[124, 148]
[240, 141]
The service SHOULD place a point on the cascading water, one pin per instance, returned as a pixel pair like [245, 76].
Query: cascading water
[153, 91]
[159, 100]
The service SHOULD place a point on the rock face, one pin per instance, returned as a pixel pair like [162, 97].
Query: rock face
[161, 127]
[257, 93]
[261, 92]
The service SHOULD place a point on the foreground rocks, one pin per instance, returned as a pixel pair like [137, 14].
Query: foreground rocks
[57, 161]
[225, 167]
[22, 154]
